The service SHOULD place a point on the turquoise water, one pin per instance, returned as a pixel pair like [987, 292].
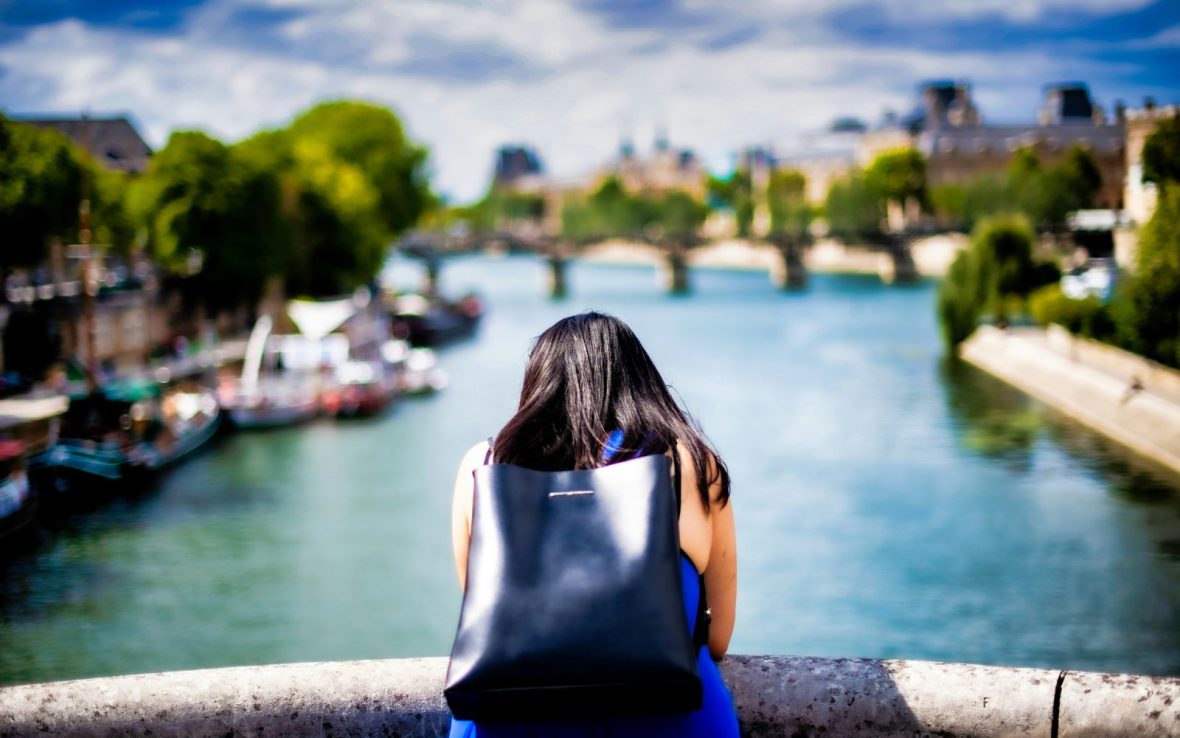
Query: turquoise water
[887, 505]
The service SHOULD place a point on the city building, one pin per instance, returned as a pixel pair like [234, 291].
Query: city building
[113, 142]
[1139, 196]
[518, 167]
[665, 170]
[960, 147]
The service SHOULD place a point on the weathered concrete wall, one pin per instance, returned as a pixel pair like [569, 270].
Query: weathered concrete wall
[774, 695]
[1095, 394]
[1124, 365]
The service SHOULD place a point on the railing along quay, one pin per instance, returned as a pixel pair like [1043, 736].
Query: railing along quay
[774, 695]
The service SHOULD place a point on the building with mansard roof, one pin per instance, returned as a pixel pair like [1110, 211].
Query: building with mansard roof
[960, 147]
[113, 142]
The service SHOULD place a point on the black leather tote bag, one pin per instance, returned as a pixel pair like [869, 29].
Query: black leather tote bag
[574, 603]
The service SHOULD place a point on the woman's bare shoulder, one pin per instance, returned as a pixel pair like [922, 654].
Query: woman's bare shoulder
[478, 451]
[471, 461]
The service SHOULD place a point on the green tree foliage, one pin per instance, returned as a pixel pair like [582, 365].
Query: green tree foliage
[961, 298]
[1148, 313]
[1087, 317]
[370, 138]
[897, 176]
[853, 211]
[110, 219]
[1046, 195]
[678, 215]
[498, 209]
[736, 193]
[611, 211]
[201, 197]
[992, 276]
[786, 196]
[40, 190]
[970, 202]
[1161, 153]
[1146, 305]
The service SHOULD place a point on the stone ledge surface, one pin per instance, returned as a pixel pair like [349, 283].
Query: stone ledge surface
[774, 695]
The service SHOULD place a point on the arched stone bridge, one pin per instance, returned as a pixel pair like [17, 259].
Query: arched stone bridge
[785, 259]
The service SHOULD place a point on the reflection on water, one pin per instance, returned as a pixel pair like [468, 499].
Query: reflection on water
[1001, 422]
[888, 504]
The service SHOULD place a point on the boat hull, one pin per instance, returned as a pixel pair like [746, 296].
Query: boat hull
[18, 507]
[272, 416]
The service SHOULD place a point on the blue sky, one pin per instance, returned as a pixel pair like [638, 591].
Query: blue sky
[572, 77]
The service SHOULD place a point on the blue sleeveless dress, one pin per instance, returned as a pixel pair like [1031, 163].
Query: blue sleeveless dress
[716, 717]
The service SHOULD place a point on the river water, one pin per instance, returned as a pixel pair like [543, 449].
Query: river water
[888, 505]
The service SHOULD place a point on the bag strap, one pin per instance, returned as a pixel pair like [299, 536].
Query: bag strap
[700, 631]
[488, 456]
[676, 477]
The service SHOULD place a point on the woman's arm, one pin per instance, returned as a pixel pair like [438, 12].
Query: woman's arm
[721, 576]
[708, 536]
[461, 502]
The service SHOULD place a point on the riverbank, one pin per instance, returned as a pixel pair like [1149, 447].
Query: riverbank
[1126, 397]
[774, 695]
[932, 256]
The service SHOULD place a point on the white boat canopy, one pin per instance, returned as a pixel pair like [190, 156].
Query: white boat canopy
[316, 319]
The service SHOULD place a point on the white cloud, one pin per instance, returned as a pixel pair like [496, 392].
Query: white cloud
[1020, 11]
[579, 87]
[1169, 38]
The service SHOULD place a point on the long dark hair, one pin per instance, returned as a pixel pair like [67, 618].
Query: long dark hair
[588, 376]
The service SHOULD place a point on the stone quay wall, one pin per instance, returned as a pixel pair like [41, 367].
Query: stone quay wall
[774, 695]
[1123, 396]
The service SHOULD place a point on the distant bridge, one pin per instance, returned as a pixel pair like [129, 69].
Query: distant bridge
[889, 254]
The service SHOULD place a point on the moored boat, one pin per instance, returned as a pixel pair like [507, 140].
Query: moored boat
[419, 373]
[435, 322]
[270, 403]
[18, 505]
[362, 388]
[113, 439]
[28, 427]
[288, 392]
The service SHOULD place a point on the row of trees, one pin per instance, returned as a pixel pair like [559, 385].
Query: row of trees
[314, 204]
[996, 278]
[1043, 194]
[612, 211]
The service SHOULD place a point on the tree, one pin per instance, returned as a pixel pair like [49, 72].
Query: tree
[199, 197]
[1148, 313]
[1161, 152]
[1048, 194]
[679, 216]
[339, 239]
[371, 139]
[1146, 306]
[611, 211]
[349, 180]
[993, 276]
[786, 196]
[897, 176]
[966, 204]
[852, 211]
[40, 190]
[736, 193]
[110, 218]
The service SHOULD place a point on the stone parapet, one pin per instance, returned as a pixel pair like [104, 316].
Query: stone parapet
[774, 695]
